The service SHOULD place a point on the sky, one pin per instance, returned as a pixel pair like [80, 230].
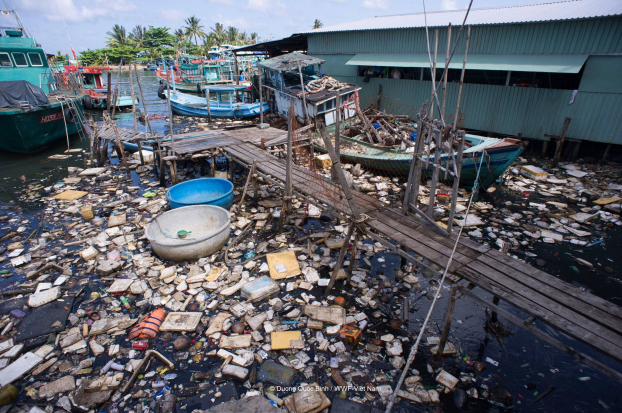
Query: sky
[89, 20]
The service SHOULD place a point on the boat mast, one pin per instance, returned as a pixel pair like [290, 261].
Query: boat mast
[19, 21]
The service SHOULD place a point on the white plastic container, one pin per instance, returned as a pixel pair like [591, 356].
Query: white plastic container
[259, 289]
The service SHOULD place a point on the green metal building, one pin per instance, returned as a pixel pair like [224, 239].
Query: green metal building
[528, 67]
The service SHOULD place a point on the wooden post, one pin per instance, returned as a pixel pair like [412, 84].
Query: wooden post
[237, 70]
[304, 99]
[288, 167]
[213, 164]
[209, 110]
[341, 177]
[412, 185]
[342, 254]
[142, 98]
[109, 94]
[466, 52]
[260, 95]
[255, 185]
[129, 72]
[337, 116]
[456, 183]
[353, 255]
[545, 148]
[606, 154]
[448, 318]
[140, 152]
[493, 316]
[437, 162]
[162, 170]
[113, 104]
[251, 171]
[560, 141]
[575, 151]
[170, 125]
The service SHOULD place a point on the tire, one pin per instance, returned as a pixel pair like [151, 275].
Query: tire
[88, 102]
[199, 91]
[70, 115]
[104, 104]
[237, 114]
[161, 90]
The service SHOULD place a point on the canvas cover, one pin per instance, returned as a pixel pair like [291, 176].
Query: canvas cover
[15, 91]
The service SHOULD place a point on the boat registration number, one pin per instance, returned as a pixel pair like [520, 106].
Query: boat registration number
[52, 117]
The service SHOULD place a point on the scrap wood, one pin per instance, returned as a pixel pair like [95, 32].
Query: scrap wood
[148, 355]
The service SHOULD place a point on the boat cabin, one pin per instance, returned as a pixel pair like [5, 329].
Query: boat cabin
[281, 77]
[231, 94]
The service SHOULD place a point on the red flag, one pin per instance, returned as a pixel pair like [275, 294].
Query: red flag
[73, 52]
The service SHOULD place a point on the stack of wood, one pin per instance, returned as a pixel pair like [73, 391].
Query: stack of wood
[382, 129]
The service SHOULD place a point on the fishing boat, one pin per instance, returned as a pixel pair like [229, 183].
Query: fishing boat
[96, 90]
[285, 77]
[37, 105]
[498, 156]
[232, 101]
[193, 74]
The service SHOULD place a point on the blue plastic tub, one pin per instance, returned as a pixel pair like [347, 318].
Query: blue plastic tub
[203, 191]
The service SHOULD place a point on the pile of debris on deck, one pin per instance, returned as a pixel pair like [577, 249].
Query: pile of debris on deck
[95, 319]
[382, 129]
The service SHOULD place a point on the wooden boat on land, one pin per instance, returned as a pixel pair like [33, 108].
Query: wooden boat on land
[232, 101]
[498, 156]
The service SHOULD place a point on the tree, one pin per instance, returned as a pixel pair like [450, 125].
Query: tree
[318, 24]
[137, 36]
[194, 29]
[117, 37]
[158, 37]
[219, 33]
[180, 36]
[254, 38]
[233, 35]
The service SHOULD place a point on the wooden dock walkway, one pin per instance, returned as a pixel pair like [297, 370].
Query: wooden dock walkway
[576, 313]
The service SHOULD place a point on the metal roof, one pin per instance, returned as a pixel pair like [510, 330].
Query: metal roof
[563, 10]
[290, 61]
[548, 63]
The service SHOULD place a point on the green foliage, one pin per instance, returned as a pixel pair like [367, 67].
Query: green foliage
[144, 43]
[317, 24]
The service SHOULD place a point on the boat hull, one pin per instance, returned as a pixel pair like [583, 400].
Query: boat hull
[495, 162]
[244, 111]
[33, 131]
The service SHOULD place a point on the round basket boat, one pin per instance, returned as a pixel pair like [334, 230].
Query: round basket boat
[202, 191]
[189, 233]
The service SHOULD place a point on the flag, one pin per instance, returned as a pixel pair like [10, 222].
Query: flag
[73, 52]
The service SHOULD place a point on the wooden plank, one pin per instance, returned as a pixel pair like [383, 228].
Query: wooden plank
[420, 238]
[545, 315]
[420, 248]
[570, 289]
[541, 300]
[424, 234]
[561, 297]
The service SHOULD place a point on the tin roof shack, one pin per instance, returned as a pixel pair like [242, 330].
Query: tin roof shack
[286, 75]
[528, 68]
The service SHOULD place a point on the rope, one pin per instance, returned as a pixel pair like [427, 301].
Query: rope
[413, 350]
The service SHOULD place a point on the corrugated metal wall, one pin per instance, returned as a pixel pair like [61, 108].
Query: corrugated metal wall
[601, 35]
[532, 112]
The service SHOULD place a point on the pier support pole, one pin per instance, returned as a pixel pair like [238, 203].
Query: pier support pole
[342, 255]
[606, 154]
[560, 141]
[493, 316]
[448, 318]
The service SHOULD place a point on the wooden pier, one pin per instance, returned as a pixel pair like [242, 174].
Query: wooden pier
[572, 311]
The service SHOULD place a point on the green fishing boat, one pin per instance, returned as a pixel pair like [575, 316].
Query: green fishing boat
[37, 105]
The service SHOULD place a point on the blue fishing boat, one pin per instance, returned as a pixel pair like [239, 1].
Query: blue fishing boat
[232, 101]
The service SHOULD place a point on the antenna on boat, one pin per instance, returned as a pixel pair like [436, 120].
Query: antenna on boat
[19, 21]
[66, 30]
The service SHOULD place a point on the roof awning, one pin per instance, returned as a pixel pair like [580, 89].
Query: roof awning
[552, 63]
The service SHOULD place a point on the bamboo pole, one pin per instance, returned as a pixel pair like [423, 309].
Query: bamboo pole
[337, 116]
[147, 122]
[170, 124]
[448, 318]
[109, 94]
[116, 91]
[433, 74]
[466, 52]
[342, 255]
[304, 99]
[446, 71]
[133, 98]
[260, 95]
[560, 141]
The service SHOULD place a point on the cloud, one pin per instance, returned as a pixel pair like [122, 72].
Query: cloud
[272, 6]
[449, 4]
[52, 9]
[376, 4]
[229, 2]
[173, 15]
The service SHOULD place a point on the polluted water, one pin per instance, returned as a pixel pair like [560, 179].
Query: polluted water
[92, 319]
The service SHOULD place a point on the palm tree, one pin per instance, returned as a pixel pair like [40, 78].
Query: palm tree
[254, 38]
[219, 33]
[117, 37]
[194, 29]
[208, 42]
[317, 24]
[180, 36]
[233, 34]
[137, 36]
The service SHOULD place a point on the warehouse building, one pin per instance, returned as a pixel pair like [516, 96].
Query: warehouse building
[528, 67]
